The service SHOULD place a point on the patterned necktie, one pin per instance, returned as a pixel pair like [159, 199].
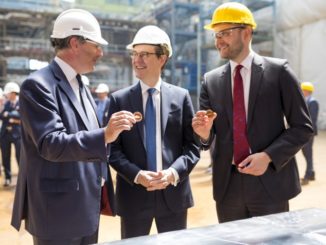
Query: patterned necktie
[240, 141]
[88, 108]
[90, 113]
[150, 130]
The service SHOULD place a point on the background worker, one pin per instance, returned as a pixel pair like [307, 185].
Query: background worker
[10, 129]
[254, 169]
[307, 150]
[102, 102]
[155, 158]
[61, 189]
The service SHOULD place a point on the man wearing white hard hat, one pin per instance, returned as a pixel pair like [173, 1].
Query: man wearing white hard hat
[155, 158]
[10, 129]
[102, 102]
[64, 182]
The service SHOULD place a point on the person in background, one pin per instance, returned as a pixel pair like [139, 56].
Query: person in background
[64, 181]
[10, 129]
[2, 101]
[155, 158]
[307, 150]
[102, 102]
[254, 170]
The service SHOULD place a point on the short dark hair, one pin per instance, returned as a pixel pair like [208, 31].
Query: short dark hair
[63, 43]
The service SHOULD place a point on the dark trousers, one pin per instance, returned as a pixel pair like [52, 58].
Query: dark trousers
[6, 142]
[307, 153]
[165, 220]
[74, 241]
[246, 197]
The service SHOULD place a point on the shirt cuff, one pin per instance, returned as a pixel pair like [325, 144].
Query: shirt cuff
[176, 176]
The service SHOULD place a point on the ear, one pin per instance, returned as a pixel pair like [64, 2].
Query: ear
[163, 59]
[74, 43]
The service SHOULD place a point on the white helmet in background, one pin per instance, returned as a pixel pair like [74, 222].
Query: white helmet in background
[102, 88]
[77, 22]
[151, 35]
[11, 87]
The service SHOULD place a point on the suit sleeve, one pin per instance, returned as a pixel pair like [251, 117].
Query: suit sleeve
[295, 110]
[190, 155]
[57, 138]
[118, 160]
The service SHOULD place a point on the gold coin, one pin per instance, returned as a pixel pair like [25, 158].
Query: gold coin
[138, 116]
[209, 113]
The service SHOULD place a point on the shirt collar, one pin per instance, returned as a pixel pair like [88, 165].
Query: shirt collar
[145, 87]
[246, 63]
[69, 72]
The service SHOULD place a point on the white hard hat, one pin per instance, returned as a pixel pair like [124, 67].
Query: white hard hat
[102, 88]
[151, 35]
[11, 87]
[77, 22]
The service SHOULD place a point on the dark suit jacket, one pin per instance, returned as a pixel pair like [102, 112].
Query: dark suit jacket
[13, 113]
[105, 118]
[313, 108]
[59, 184]
[179, 150]
[274, 94]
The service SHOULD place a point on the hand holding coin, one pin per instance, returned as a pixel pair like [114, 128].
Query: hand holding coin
[210, 113]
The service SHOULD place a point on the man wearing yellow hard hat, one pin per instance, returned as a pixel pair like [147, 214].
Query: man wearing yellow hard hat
[254, 169]
[313, 106]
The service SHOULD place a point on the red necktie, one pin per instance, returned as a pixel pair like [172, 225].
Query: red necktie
[240, 141]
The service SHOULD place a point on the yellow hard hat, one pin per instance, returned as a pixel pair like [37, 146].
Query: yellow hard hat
[232, 12]
[307, 86]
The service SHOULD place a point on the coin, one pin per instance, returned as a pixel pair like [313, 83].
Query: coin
[209, 113]
[138, 116]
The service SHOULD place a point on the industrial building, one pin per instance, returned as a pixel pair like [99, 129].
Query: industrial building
[25, 27]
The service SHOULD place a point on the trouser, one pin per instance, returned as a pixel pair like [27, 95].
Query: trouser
[307, 153]
[6, 141]
[246, 197]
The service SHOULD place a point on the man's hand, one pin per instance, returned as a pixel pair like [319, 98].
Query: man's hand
[255, 164]
[146, 177]
[166, 179]
[202, 124]
[119, 121]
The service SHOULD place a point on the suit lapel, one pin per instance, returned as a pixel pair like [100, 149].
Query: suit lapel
[226, 86]
[66, 88]
[255, 83]
[165, 105]
[136, 103]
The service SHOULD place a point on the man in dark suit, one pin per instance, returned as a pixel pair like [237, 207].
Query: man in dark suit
[10, 128]
[63, 169]
[254, 169]
[154, 159]
[307, 150]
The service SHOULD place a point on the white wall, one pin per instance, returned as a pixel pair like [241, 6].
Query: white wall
[301, 38]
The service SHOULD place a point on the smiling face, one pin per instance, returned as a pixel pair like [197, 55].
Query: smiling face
[146, 63]
[232, 41]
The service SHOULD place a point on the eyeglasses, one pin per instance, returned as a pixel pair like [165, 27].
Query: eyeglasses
[97, 46]
[226, 32]
[142, 55]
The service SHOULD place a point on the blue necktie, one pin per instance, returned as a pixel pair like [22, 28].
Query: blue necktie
[150, 130]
